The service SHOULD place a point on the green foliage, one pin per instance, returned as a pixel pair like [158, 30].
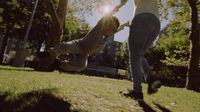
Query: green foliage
[17, 13]
[174, 39]
[123, 55]
[176, 50]
[169, 7]
[71, 26]
[74, 28]
[170, 58]
[123, 50]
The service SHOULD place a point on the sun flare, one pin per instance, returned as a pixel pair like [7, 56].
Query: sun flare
[106, 9]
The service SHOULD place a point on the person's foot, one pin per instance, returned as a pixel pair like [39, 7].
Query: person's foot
[153, 86]
[136, 95]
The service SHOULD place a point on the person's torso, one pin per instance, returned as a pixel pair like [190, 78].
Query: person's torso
[146, 6]
[93, 42]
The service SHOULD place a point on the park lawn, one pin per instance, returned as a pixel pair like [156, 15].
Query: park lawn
[25, 90]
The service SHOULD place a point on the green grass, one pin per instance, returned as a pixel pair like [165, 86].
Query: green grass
[24, 90]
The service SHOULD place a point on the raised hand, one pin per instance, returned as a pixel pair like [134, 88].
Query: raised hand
[116, 9]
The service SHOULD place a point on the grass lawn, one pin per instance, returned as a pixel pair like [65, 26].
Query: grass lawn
[25, 90]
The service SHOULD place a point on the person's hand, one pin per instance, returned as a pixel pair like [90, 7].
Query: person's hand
[128, 24]
[121, 27]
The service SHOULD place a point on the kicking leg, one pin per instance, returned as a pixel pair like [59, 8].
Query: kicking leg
[152, 81]
[45, 59]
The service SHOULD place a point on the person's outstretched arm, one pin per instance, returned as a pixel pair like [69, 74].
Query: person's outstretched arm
[121, 27]
[116, 9]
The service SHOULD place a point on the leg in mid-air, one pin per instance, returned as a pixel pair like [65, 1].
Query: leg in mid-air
[150, 78]
[46, 61]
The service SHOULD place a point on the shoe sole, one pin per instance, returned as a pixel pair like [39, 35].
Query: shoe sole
[154, 87]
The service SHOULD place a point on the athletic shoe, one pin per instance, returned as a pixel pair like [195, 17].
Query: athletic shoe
[137, 96]
[153, 85]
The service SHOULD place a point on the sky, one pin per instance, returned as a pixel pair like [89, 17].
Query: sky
[125, 14]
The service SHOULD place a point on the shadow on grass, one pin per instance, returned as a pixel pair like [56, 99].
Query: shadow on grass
[143, 104]
[163, 109]
[147, 108]
[35, 101]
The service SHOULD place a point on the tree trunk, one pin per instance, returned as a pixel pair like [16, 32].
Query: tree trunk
[193, 75]
[5, 40]
[58, 19]
[21, 51]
